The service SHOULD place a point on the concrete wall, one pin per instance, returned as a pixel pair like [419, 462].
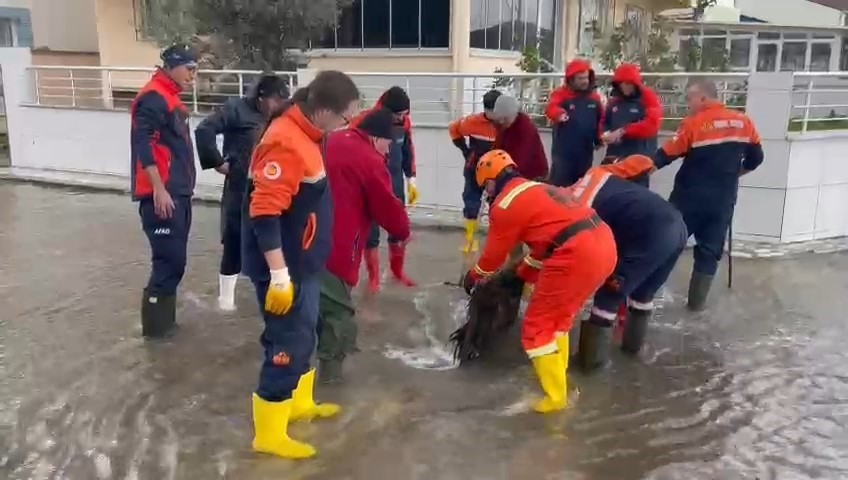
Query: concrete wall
[64, 25]
[116, 36]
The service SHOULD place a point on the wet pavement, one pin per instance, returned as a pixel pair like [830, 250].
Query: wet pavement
[757, 387]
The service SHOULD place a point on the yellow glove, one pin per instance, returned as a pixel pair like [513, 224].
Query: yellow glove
[411, 191]
[280, 294]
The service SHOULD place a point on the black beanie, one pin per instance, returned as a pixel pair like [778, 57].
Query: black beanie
[378, 123]
[396, 100]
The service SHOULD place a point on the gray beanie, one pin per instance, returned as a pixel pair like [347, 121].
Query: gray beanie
[506, 106]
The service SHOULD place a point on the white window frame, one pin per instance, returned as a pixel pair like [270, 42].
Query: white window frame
[419, 50]
[500, 52]
[809, 40]
[13, 28]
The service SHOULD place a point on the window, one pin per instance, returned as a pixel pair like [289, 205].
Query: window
[740, 53]
[713, 53]
[375, 23]
[820, 57]
[794, 56]
[394, 24]
[843, 58]
[767, 57]
[7, 35]
[514, 25]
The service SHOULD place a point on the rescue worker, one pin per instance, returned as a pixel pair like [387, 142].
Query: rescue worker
[633, 116]
[718, 146]
[163, 178]
[572, 253]
[474, 135]
[240, 121]
[577, 113]
[401, 163]
[286, 236]
[519, 137]
[649, 235]
[362, 195]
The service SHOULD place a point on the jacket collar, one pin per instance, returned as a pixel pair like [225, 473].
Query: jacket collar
[299, 118]
[166, 82]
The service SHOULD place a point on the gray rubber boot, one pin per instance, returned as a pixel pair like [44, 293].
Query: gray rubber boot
[635, 330]
[158, 316]
[699, 289]
[595, 337]
[330, 371]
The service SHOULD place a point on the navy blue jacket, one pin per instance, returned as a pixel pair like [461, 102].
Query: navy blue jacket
[160, 136]
[241, 124]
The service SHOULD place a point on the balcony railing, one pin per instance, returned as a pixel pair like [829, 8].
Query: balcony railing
[437, 98]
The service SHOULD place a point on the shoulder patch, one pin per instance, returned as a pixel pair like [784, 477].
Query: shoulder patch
[272, 170]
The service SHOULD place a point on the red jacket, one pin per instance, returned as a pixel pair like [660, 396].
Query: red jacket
[362, 194]
[522, 142]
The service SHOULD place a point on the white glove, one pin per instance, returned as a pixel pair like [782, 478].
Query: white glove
[280, 277]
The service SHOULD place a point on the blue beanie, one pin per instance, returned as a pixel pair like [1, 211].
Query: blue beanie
[177, 56]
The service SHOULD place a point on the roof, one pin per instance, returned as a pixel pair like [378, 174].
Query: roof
[837, 4]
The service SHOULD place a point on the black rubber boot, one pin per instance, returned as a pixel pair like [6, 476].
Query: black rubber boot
[699, 289]
[635, 330]
[158, 316]
[330, 371]
[574, 343]
[595, 337]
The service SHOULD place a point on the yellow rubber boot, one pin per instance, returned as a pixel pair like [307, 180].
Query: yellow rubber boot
[271, 424]
[551, 372]
[563, 346]
[303, 404]
[471, 245]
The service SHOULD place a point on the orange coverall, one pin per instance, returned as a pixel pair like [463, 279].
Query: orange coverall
[535, 214]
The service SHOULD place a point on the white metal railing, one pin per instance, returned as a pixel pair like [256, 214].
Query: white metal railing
[437, 98]
[819, 101]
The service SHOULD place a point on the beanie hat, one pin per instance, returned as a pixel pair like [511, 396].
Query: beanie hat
[270, 86]
[177, 56]
[505, 107]
[395, 99]
[489, 99]
[378, 123]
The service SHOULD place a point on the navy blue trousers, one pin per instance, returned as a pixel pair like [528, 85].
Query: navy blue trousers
[168, 244]
[472, 195]
[709, 226]
[288, 340]
[566, 171]
[374, 236]
[231, 203]
[643, 267]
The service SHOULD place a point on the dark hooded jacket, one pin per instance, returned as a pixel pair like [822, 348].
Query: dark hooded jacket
[640, 115]
[575, 139]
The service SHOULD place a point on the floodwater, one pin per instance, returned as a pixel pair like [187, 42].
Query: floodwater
[757, 387]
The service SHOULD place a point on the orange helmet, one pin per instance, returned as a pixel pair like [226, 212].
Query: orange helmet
[492, 164]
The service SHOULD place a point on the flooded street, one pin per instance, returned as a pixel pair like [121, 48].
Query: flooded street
[756, 387]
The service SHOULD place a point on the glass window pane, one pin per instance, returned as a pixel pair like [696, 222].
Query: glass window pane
[796, 36]
[325, 39]
[478, 24]
[715, 33]
[843, 58]
[714, 53]
[376, 26]
[6, 37]
[740, 32]
[509, 12]
[820, 35]
[529, 29]
[435, 23]
[493, 24]
[767, 57]
[820, 57]
[547, 28]
[740, 53]
[349, 31]
[404, 23]
[793, 57]
[769, 35]
[689, 32]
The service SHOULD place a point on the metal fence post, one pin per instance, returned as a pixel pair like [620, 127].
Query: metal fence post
[73, 89]
[807, 102]
[37, 88]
